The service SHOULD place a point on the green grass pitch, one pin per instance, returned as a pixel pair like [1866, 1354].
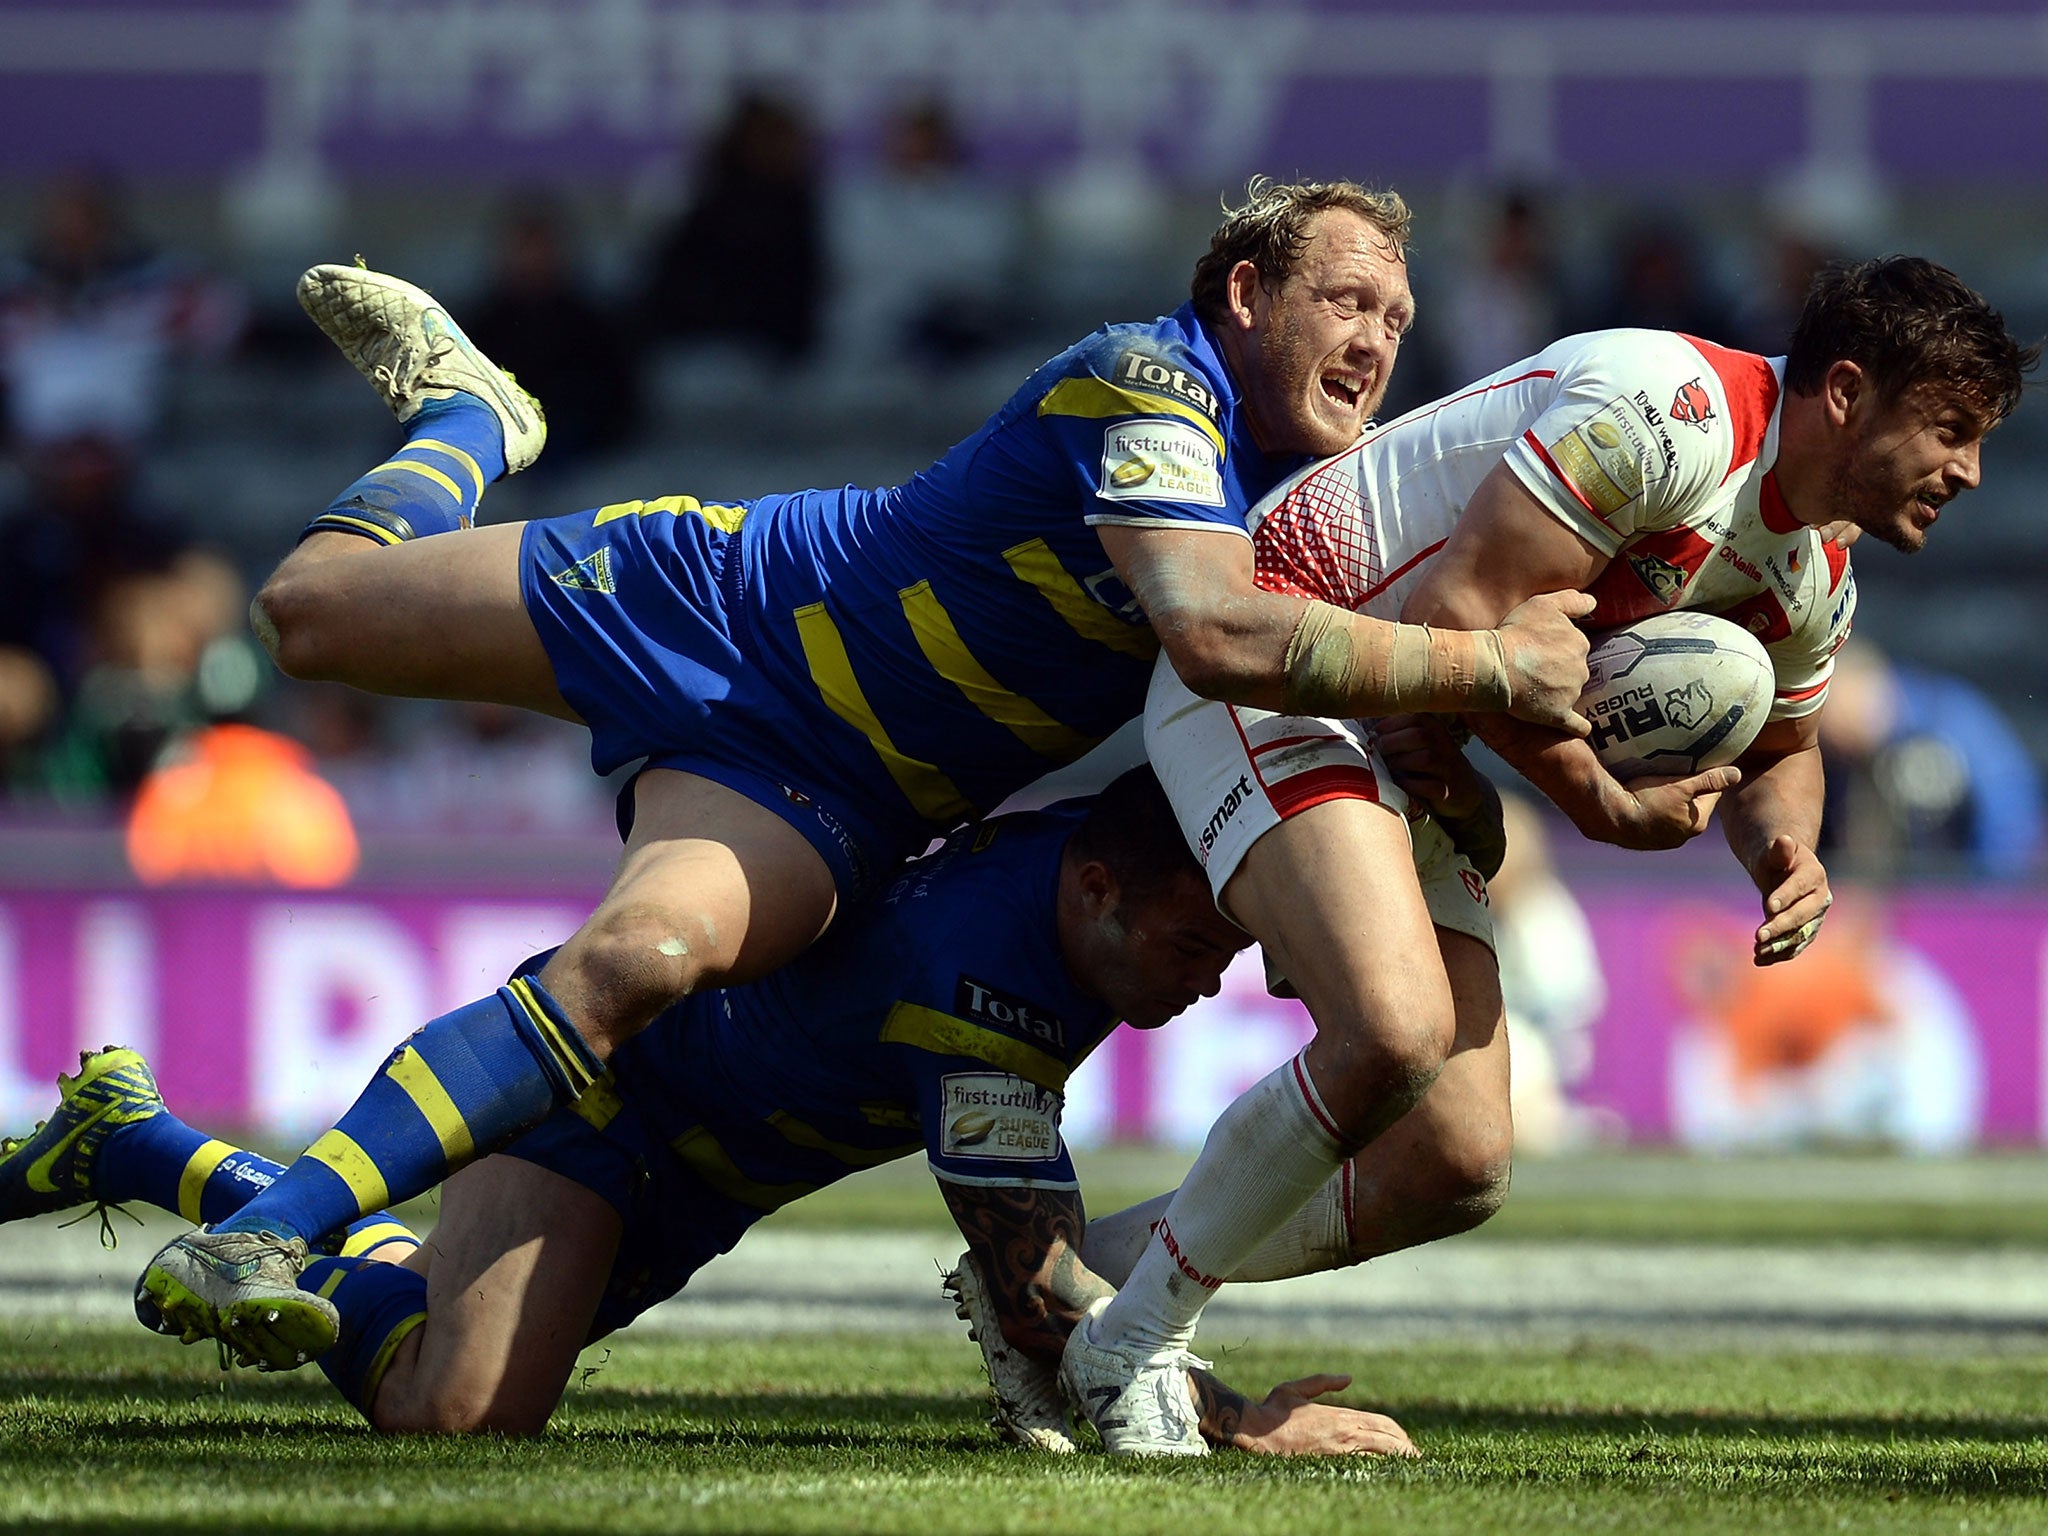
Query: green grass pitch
[103, 1429]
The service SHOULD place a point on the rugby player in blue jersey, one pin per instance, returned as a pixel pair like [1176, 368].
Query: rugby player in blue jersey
[814, 684]
[943, 1015]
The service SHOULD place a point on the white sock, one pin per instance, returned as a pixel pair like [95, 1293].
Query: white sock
[1112, 1243]
[1265, 1156]
[1315, 1238]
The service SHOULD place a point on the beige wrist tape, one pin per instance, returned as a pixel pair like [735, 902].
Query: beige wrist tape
[1412, 667]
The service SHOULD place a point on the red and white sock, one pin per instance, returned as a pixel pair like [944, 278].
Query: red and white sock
[1265, 1156]
[1315, 1238]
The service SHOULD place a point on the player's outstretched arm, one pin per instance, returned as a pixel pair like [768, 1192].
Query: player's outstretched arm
[1027, 1241]
[1230, 640]
[1772, 823]
[1290, 1422]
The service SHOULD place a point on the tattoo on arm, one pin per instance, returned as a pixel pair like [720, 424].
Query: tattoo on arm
[1028, 1242]
[1222, 1408]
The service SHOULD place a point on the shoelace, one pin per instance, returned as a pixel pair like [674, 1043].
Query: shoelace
[109, 1239]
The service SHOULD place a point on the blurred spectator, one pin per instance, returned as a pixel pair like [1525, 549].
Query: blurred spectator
[1922, 767]
[1550, 981]
[81, 528]
[1502, 301]
[237, 803]
[91, 315]
[745, 262]
[1770, 305]
[481, 769]
[1861, 1041]
[925, 252]
[1658, 280]
[170, 656]
[1816, 215]
[538, 319]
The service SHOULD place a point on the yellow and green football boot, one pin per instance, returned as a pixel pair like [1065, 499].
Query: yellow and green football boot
[52, 1168]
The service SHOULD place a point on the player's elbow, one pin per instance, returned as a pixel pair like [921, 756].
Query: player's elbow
[1211, 657]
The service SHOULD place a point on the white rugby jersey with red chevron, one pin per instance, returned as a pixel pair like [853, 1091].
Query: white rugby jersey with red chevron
[1655, 448]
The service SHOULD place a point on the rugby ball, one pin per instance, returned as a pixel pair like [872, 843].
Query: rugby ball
[1675, 693]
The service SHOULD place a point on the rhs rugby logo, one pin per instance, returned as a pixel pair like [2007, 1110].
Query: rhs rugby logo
[1686, 707]
[1691, 405]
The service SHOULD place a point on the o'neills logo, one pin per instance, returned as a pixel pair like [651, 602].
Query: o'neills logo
[1206, 1282]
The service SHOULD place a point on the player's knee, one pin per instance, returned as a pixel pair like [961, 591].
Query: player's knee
[289, 619]
[1407, 1051]
[456, 1413]
[628, 963]
[1470, 1183]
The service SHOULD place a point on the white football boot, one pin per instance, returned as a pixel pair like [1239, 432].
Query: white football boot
[1141, 1405]
[411, 350]
[1029, 1409]
[241, 1288]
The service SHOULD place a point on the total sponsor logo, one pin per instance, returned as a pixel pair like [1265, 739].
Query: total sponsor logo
[1140, 370]
[1232, 803]
[1008, 1012]
[998, 1115]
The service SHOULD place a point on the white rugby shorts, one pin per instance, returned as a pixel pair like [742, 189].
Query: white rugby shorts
[1233, 774]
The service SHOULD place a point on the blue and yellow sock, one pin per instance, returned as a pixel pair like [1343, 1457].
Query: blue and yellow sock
[164, 1162]
[453, 449]
[462, 1086]
[379, 1305]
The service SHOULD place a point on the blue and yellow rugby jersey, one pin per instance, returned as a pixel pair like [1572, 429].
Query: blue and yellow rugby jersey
[950, 639]
[938, 1016]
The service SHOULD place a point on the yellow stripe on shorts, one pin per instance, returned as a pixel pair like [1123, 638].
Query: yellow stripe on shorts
[798, 1134]
[726, 519]
[706, 1158]
[951, 659]
[922, 783]
[1034, 562]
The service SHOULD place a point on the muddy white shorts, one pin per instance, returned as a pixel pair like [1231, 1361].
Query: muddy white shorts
[1233, 774]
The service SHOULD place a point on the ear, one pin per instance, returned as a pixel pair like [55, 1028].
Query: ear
[1242, 291]
[1843, 389]
[1098, 887]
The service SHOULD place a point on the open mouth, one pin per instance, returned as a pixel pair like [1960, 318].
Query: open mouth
[1344, 388]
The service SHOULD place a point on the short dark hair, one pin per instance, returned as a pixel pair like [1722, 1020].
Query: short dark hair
[1906, 320]
[1272, 227]
[1131, 829]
